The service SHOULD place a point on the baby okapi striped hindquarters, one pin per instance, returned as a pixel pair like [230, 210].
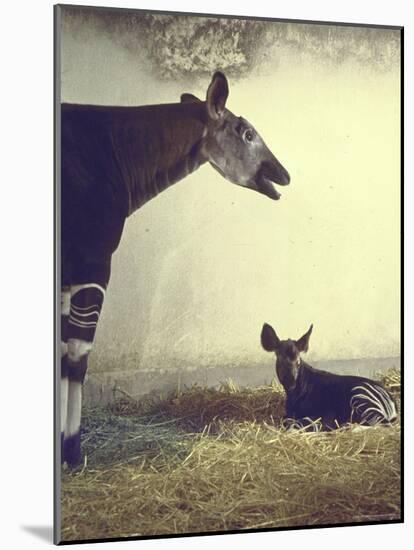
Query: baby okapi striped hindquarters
[320, 399]
[114, 160]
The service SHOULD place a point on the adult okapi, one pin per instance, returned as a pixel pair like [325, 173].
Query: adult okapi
[317, 399]
[114, 160]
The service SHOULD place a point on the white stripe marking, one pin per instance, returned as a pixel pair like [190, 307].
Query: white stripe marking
[81, 308]
[76, 314]
[63, 348]
[76, 288]
[78, 348]
[82, 324]
[64, 302]
[373, 404]
[74, 408]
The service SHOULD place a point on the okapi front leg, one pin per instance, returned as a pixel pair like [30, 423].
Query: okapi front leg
[64, 385]
[85, 307]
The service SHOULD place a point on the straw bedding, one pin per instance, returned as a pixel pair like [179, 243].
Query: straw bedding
[205, 460]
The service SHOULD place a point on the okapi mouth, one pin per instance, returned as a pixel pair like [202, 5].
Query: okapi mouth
[269, 175]
[266, 187]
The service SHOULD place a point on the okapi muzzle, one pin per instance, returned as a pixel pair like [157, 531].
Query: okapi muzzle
[271, 171]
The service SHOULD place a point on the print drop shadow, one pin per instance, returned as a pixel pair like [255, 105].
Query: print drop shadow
[42, 532]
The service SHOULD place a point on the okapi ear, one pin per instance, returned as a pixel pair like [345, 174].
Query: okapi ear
[303, 343]
[189, 98]
[217, 95]
[269, 338]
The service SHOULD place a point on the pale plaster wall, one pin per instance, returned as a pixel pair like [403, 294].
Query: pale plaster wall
[202, 266]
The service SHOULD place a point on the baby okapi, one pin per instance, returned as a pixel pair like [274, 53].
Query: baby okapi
[318, 399]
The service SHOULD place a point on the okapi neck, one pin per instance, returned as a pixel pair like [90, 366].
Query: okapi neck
[162, 144]
[163, 178]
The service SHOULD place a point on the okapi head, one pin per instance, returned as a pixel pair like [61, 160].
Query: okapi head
[287, 354]
[233, 146]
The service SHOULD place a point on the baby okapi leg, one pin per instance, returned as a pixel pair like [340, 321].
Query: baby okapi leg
[85, 306]
[64, 385]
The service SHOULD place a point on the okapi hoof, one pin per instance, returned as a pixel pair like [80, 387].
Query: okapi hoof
[72, 450]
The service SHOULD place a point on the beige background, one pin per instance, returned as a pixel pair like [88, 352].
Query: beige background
[202, 266]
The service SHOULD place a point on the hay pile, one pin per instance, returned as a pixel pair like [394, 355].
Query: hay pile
[392, 381]
[224, 465]
[196, 407]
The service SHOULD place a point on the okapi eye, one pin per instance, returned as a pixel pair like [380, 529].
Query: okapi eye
[248, 135]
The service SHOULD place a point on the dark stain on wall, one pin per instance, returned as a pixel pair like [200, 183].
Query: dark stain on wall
[182, 46]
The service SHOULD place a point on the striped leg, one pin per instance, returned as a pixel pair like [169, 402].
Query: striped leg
[64, 312]
[371, 404]
[85, 307]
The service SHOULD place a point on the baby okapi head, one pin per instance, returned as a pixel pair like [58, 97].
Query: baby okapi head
[287, 354]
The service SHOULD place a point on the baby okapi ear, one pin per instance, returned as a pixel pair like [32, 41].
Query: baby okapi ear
[217, 95]
[189, 98]
[269, 338]
[303, 343]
